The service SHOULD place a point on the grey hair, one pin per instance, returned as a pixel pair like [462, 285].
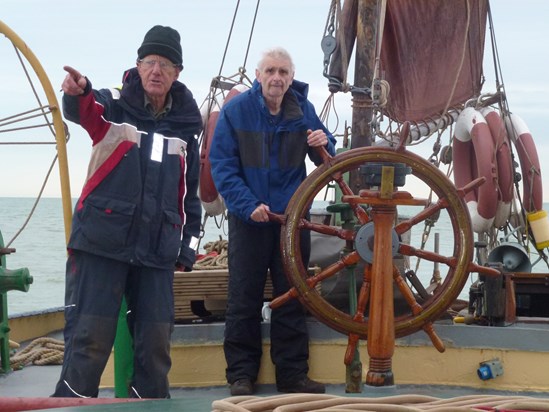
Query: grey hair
[278, 53]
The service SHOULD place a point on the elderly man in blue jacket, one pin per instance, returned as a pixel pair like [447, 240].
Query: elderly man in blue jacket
[258, 153]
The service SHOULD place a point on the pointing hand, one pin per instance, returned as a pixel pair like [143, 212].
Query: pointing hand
[74, 83]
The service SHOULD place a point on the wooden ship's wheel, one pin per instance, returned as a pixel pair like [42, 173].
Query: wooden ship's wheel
[375, 241]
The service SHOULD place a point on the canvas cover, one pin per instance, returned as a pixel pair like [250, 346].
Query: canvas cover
[427, 44]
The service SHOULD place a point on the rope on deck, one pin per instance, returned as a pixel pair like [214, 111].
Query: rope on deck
[41, 351]
[399, 403]
[215, 257]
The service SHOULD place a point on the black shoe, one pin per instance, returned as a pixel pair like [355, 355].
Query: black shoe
[241, 387]
[303, 385]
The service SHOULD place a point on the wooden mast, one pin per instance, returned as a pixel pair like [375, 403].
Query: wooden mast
[359, 22]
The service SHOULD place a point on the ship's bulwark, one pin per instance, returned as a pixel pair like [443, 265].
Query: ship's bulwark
[198, 373]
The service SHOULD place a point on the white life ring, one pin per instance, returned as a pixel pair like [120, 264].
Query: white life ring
[532, 189]
[504, 161]
[474, 156]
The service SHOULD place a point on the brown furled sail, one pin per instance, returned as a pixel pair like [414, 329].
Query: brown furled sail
[431, 55]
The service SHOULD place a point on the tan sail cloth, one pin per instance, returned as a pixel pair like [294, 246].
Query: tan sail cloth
[432, 55]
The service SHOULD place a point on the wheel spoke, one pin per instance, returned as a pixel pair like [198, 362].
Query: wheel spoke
[429, 211]
[406, 292]
[347, 260]
[435, 339]
[485, 270]
[408, 250]
[337, 231]
[282, 299]
[364, 294]
[359, 212]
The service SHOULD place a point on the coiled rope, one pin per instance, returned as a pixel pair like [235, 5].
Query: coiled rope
[216, 256]
[41, 351]
[400, 403]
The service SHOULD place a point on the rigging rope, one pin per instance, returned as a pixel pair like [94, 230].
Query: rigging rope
[41, 191]
[24, 225]
[45, 110]
[230, 34]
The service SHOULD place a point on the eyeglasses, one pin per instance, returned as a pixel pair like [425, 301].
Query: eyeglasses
[164, 66]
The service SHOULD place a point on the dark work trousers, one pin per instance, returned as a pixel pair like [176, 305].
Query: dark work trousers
[95, 287]
[253, 251]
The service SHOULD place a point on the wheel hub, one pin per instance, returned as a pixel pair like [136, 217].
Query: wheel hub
[364, 242]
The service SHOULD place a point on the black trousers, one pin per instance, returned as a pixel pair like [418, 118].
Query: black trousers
[253, 252]
[95, 287]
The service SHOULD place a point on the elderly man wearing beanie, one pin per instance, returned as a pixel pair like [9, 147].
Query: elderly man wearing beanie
[137, 219]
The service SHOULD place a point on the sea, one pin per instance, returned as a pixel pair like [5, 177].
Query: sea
[37, 234]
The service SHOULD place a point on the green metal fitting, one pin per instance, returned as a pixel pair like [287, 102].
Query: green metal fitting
[17, 279]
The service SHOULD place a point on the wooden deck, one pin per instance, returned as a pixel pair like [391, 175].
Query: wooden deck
[203, 290]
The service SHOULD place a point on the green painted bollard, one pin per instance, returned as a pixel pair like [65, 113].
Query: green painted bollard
[18, 279]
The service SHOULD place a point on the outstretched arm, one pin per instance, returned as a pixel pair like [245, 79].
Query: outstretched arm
[79, 104]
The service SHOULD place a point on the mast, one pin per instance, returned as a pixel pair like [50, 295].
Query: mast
[364, 74]
[359, 21]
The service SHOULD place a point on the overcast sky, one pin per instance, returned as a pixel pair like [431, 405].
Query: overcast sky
[100, 38]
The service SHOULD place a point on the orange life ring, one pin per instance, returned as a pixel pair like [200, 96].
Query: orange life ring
[211, 200]
[504, 161]
[532, 189]
[474, 156]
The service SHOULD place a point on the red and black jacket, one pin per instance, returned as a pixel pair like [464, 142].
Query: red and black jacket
[139, 203]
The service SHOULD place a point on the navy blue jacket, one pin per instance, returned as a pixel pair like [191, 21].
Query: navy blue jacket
[257, 158]
[139, 203]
